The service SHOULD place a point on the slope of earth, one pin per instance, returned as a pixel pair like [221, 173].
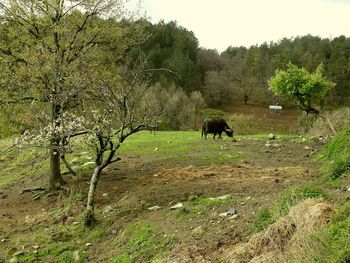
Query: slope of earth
[209, 178]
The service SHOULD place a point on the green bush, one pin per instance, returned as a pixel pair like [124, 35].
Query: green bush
[281, 208]
[139, 242]
[295, 195]
[336, 153]
[263, 219]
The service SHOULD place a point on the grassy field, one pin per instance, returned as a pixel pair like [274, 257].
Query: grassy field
[262, 179]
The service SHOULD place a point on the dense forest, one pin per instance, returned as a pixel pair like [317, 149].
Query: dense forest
[239, 71]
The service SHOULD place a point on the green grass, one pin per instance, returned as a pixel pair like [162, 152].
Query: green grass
[336, 154]
[263, 219]
[181, 146]
[21, 162]
[200, 205]
[331, 244]
[141, 242]
[173, 147]
[284, 203]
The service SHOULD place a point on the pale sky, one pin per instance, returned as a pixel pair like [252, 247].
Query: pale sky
[218, 24]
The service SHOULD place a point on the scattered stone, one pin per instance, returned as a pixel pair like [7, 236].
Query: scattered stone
[104, 194]
[88, 163]
[307, 147]
[13, 260]
[232, 211]
[3, 240]
[155, 175]
[18, 253]
[198, 232]
[178, 205]
[242, 204]
[275, 145]
[29, 220]
[348, 188]
[76, 255]
[224, 214]
[233, 217]
[107, 209]
[248, 198]
[223, 197]
[192, 198]
[88, 244]
[156, 149]
[36, 247]
[76, 223]
[170, 142]
[271, 136]
[267, 144]
[154, 208]
[276, 180]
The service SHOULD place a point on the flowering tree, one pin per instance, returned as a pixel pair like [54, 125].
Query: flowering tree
[124, 107]
[47, 51]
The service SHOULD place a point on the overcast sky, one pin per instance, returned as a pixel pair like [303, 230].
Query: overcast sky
[221, 23]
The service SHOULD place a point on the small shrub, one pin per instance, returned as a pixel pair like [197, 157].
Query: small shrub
[337, 154]
[295, 195]
[263, 219]
[139, 242]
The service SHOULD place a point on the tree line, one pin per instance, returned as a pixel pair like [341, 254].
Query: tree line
[240, 72]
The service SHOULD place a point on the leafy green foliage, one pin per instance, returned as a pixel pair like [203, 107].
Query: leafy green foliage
[282, 205]
[140, 242]
[263, 219]
[295, 195]
[336, 153]
[174, 48]
[298, 85]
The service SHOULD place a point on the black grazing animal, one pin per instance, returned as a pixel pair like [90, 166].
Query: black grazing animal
[216, 126]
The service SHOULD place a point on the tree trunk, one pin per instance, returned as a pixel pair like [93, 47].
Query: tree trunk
[89, 219]
[55, 178]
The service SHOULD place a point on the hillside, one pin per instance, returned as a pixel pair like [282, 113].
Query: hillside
[135, 222]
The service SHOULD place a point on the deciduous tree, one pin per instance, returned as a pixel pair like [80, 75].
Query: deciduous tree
[46, 51]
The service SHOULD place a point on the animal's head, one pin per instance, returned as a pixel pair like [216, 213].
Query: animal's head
[229, 132]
